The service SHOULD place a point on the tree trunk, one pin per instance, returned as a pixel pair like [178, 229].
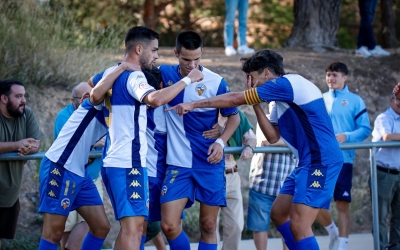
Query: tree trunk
[151, 12]
[388, 24]
[316, 24]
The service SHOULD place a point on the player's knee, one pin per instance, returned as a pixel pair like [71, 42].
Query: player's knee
[101, 230]
[54, 235]
[207, 225]
[343, 206]
[169, 228]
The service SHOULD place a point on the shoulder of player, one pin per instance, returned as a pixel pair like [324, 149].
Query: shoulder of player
[208, 74]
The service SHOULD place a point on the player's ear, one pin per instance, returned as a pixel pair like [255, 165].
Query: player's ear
[176, 53]
[138, 49]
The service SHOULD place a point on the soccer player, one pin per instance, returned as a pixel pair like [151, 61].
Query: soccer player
[65, 184]
[300, 117]
[124, 166]
[195, 166]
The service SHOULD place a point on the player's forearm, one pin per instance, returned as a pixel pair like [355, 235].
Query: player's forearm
[163, 96]
[227, 100]
[270, 132]
[99, 91]
[231, 125]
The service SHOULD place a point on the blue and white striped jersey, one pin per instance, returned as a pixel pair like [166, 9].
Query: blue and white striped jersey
[186, 145]
[127, 119]
[304, 123]
[82, 130]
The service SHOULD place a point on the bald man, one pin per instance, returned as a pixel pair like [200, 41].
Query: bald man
[75, 227]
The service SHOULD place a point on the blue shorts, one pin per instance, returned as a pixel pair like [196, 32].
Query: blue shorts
[258, 215]
[312, 185]
[344, 183]
[128, 190]
[155, 185]
[62, 191]
[205, 185]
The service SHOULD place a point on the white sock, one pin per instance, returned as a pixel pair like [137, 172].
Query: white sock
[332, 230]
[343, 243]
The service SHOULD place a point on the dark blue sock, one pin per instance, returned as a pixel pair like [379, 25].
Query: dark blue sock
[92, 242]
[207, 246]
[180, 243]
[142, 243]
[309, 243]
[47, 245]
[284, 229]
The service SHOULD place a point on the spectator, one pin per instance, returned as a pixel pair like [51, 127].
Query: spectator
[366, 44]
[267, 173]
[351, 124]
[19, 132]
[231, 6]
[232, 214]
[76, 228]
[387, 128]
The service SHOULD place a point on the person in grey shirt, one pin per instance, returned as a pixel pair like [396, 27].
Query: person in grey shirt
[387, 128]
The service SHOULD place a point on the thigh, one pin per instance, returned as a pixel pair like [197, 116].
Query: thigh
[178, 184]
[259, 210]
[8, 220]
[210, 186]
[128, 191]
[343, 185]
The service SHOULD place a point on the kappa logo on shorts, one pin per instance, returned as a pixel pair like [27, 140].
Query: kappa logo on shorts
[53, 183]
[317, 172]
[345, 193]
[51, 194]
[135, 196]
[55, 172]
[134, 171]
[201, 88]
[315, 184]
[164, 190]
[65, 203]
[135, 183]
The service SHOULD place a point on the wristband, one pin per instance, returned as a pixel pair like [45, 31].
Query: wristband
[220, 142]
[186, 80]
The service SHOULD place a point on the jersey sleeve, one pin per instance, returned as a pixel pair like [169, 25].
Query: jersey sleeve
[137, 85]
[223, 89]
[97, 78]
[278, 89]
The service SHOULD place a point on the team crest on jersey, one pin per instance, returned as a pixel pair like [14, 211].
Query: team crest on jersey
[169, 83]
[65, 203]
[164, 190]
[143, 85]
[201, 88]
[345, 102]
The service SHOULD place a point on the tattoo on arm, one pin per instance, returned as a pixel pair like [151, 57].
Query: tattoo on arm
[207, 103]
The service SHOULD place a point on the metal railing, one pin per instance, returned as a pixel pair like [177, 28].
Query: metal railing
[372, 146]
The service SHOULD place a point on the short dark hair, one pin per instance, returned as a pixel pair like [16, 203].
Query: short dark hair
[338, 67]
[139, 35]
[5, 86]
[153, 77]
[263, 59]
[189, 40]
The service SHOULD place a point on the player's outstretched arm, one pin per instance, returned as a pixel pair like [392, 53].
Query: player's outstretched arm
[227, 100]
[162, 96]
[270, 131]
[99, 91]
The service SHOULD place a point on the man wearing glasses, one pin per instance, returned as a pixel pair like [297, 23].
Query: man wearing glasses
[76, 227]
[387, 128]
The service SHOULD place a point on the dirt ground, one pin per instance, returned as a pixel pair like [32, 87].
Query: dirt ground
[371, 78]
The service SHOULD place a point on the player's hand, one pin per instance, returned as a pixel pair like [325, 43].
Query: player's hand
[215, 152]
[247, 153]
[213, 133]
[396, 90]
[84, 96]
[341, 138]
[181, 109]
[195, 75]
[130, 66]
[248, 81]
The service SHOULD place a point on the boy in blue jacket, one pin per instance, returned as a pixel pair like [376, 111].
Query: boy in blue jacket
[351, 124]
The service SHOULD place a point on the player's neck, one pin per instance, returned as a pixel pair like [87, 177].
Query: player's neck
[131, 59]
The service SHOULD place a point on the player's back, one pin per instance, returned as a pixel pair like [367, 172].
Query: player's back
[82, 130]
